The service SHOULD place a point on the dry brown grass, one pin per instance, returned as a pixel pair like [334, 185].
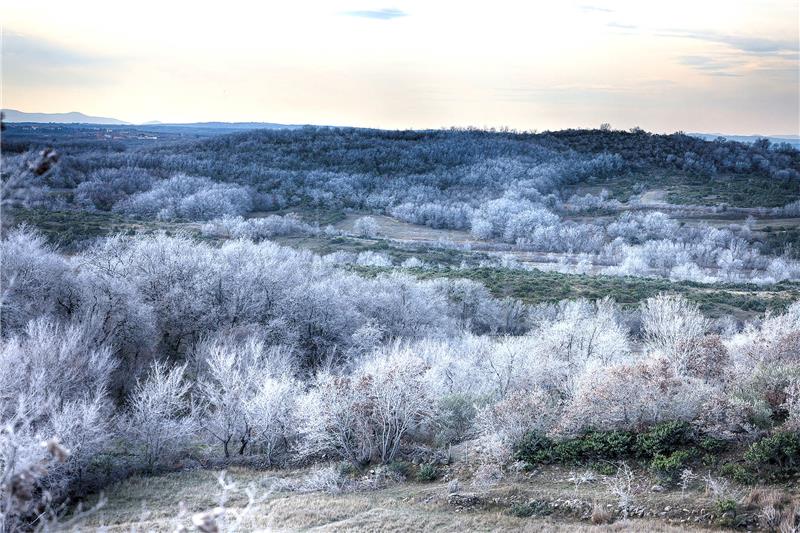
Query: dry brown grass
[777, 510]
[399, 507]
[601, 514]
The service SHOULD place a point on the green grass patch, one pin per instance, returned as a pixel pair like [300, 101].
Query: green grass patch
[536, 287]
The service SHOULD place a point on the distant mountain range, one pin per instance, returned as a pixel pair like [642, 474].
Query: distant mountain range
[74, 117]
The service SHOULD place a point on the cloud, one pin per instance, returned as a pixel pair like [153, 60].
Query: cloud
[621, 26]
[32, 61]
[710, 65]
[597, 9]
[747, 44]
[377, 14]
[22, 47]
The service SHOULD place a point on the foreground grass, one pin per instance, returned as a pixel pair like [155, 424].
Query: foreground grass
[154, 503]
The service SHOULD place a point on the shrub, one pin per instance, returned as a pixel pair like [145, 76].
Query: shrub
[323, 479]
[665, 438]
[738, 473]
[427, 472]
[401, 468]
[531, 508]
[366, 227]
[455, 416]
[727, 505]
[610, 444]
[777, 456]
[629, 396]
[188, 197]
[534, 447]
[594, 445]
[159, 423]
[712, 445]
[669, 467]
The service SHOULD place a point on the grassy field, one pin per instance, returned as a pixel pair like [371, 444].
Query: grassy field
[558, 504]
[536, 286]
[685, 189]
[69, 229]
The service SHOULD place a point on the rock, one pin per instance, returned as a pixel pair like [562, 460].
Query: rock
[453, 487]
[657, 488]
[463, 500]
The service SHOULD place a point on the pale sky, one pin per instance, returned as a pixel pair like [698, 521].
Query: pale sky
[693, 65]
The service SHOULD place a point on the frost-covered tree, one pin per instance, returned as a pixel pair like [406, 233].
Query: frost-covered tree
[237, 380]
[671, 326]
[366, 227]
[367, 414]
[159, 421]
[634, 396]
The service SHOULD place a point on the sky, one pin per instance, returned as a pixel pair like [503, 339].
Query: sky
[716, 66]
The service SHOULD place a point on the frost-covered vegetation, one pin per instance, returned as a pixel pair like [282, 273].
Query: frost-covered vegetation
[530, 191]
[164, 343]
[145, 352]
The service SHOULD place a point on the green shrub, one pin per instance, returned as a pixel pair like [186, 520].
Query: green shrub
[669, 467]
[594, 445]
[427, 472]
[712, 445]
[665, 438]
[569, 451]
[777, 456]
[727, 509]
[533, 448]
[605, 469]
[532, 508]
[726, 505]
[346, 469]
[738, 473]
[611, 444]
[456, 414]
[402, 468]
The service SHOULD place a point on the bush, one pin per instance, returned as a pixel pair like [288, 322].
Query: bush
[595, 445]
[669, 467]
[455, 417]
[727, 505]
[661, 441]
[665, 438]
[533, 448]
[188, 197]
[605, 469]
[401, 468]
[777, 456]
[738, 473]
[610, 444]
[531, 508]
[427, 472]
[711, 445]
